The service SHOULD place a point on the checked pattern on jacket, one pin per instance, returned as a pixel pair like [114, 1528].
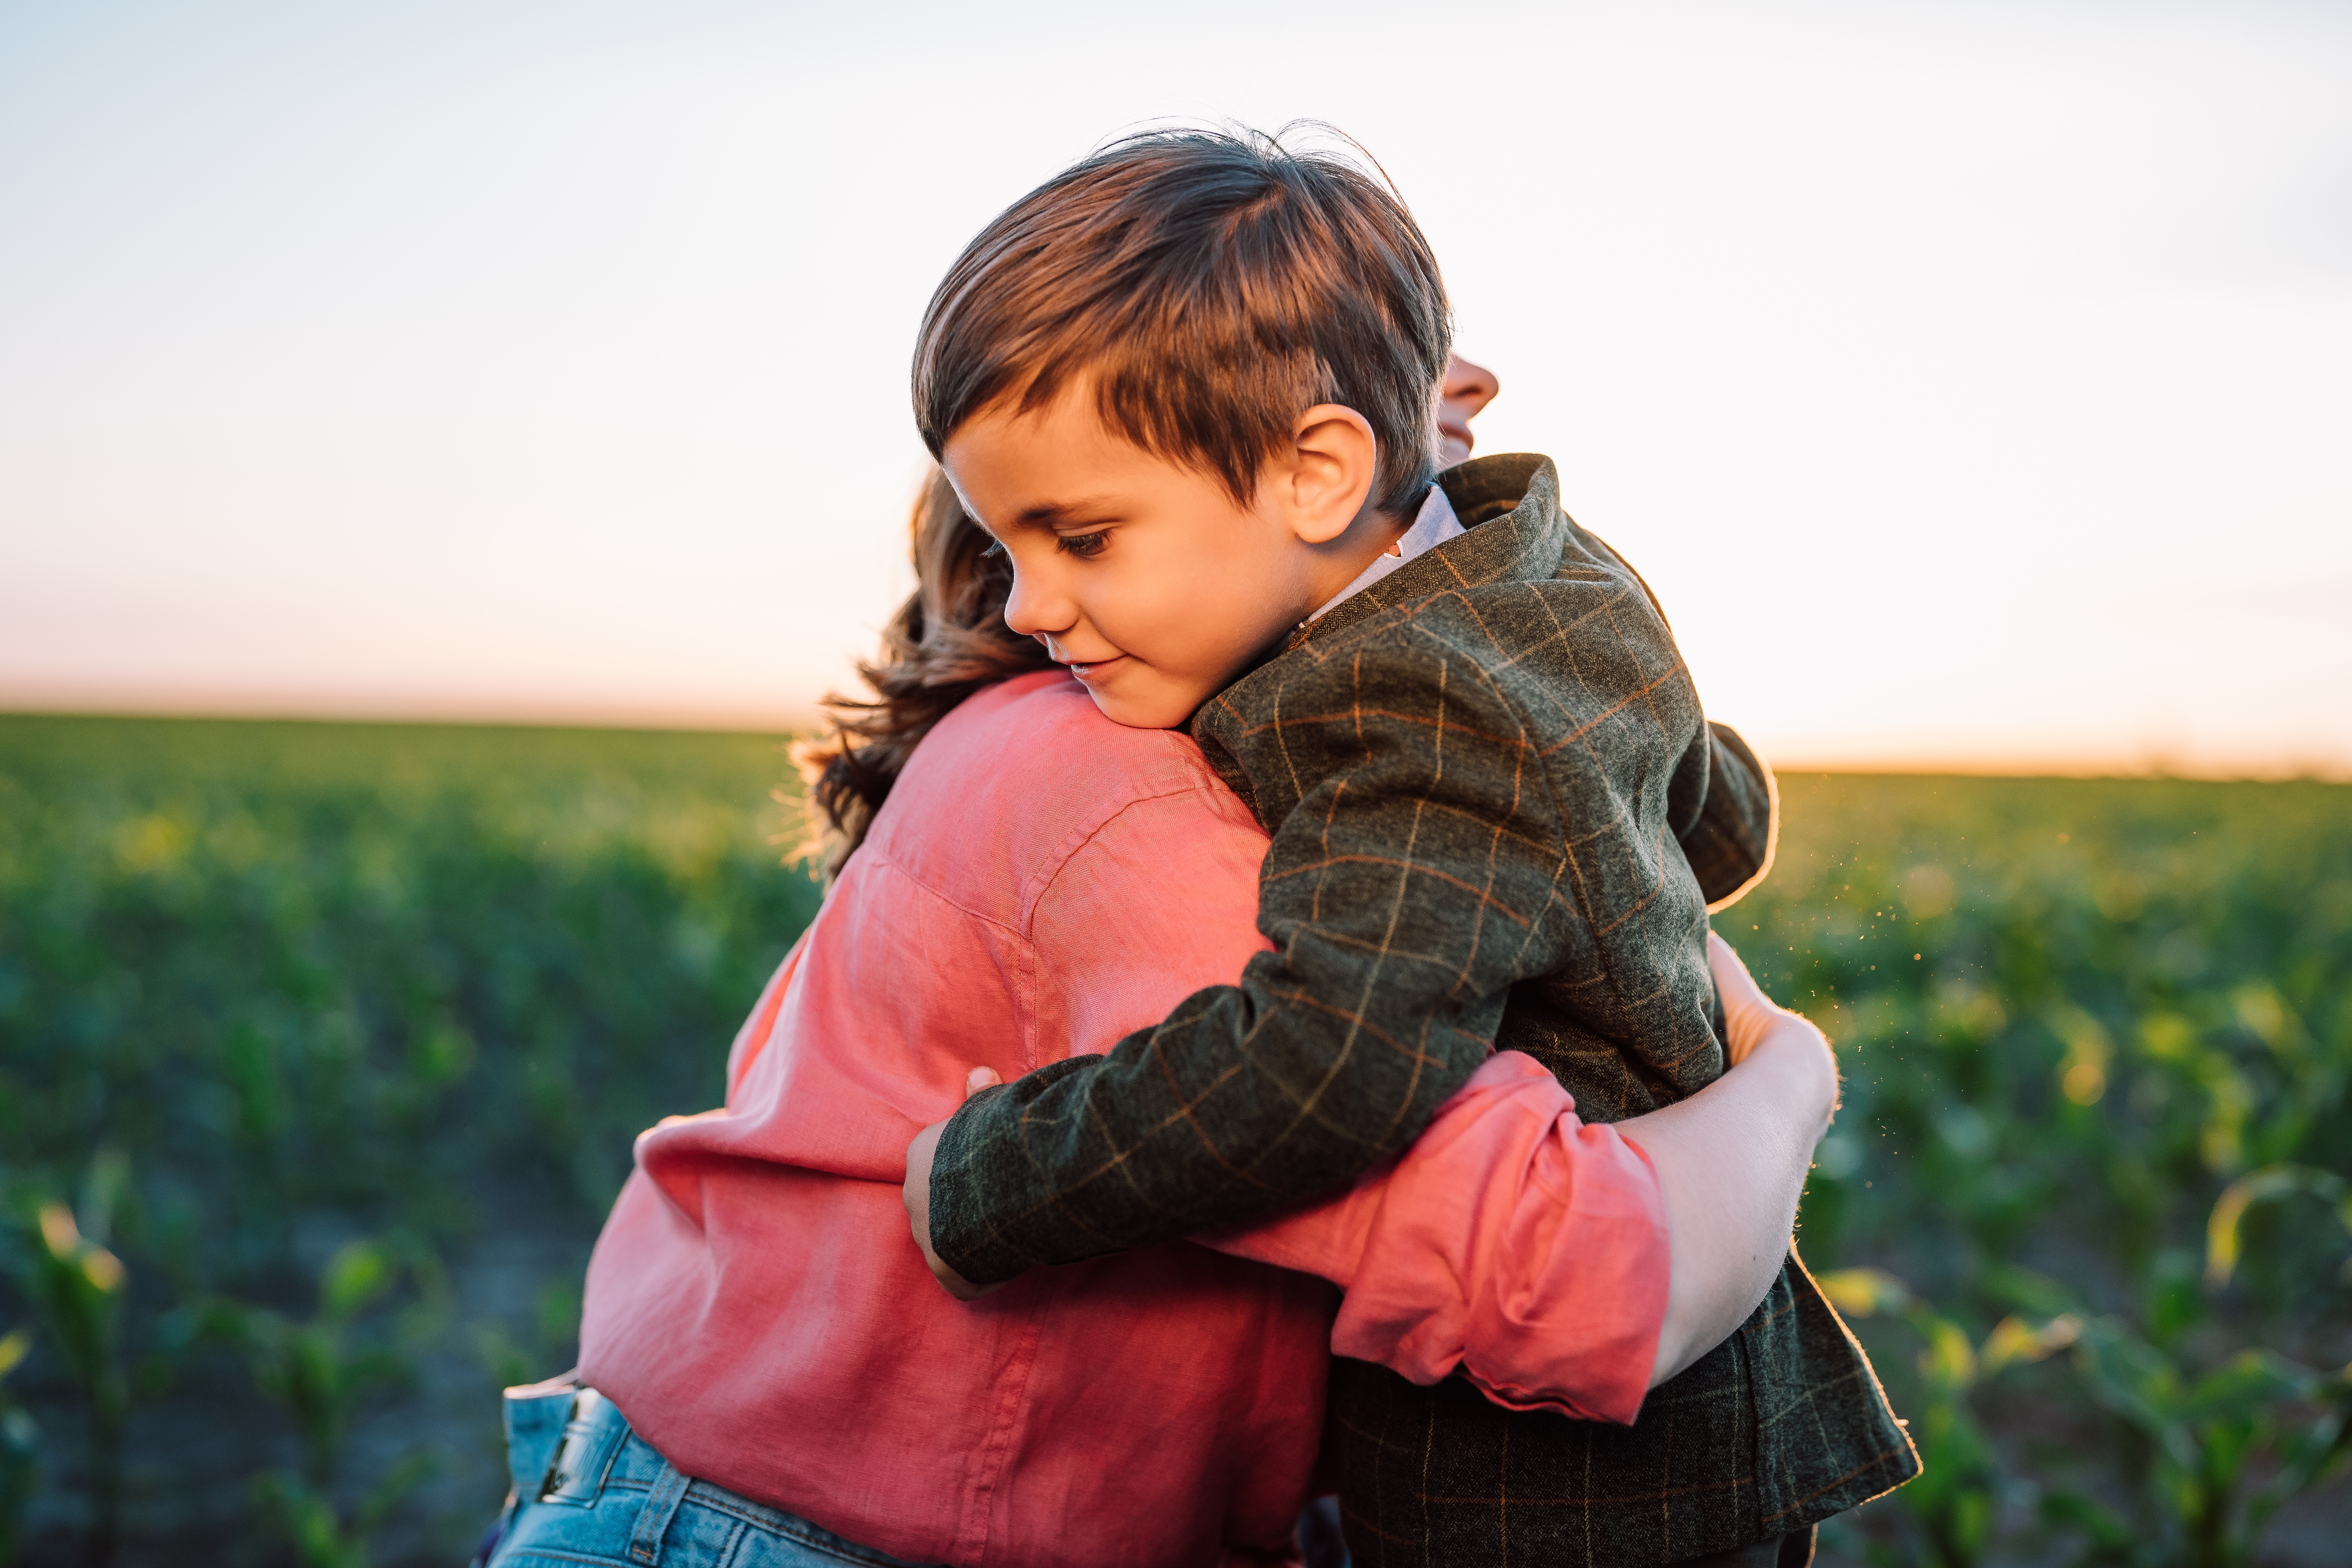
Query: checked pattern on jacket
[1487, 779]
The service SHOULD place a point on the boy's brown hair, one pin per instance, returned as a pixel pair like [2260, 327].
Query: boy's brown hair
[1215, 285]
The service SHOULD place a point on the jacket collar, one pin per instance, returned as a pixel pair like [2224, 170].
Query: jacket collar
[1509, 504]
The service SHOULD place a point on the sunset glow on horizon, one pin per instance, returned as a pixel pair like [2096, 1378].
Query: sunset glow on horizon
[1969, 381]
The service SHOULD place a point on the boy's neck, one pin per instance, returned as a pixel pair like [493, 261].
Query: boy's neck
[1372, 534]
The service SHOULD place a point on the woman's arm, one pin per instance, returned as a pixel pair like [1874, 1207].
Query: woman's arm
[1511, 1242]
[1572, 1267]
[1731, 1162]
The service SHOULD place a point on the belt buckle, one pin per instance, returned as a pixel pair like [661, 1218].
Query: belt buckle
[576, 1472]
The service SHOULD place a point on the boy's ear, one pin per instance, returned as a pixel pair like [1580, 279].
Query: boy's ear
[1322, 480]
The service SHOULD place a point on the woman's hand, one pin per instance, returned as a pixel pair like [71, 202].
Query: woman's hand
[1747, 1014]
[1752, 1020]
[917, 1194]
[1731, 1162]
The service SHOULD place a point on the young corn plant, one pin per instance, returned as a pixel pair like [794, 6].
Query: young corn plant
[319, 1372]
[2221, 1452]
[2272, 1183]
[20, 1451]
[1961, 1485]
[2199, 1441]
[306, 1516]
[314, 1371]
[79, 1285]
[2208, 1454]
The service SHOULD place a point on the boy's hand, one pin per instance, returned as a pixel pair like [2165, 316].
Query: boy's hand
[916, 1195]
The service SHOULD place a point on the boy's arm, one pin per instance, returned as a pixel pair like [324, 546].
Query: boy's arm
[1418, 869]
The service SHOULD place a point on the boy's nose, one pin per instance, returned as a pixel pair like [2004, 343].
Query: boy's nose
[1034, 609]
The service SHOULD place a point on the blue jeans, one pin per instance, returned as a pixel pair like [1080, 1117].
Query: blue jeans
[587, 1490]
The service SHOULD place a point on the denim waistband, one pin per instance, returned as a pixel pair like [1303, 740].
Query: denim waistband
[569, 1447]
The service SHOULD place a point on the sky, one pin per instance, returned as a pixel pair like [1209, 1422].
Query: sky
[1973, 381]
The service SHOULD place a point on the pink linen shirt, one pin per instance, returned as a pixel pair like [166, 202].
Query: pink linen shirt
[1042, 882]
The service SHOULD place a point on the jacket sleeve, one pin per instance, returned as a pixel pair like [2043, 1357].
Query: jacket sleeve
[1730, 841]
[1511, 1242]
[1730, 836]
[1412, 879]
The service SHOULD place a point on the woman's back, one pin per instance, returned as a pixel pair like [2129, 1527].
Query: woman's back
[1040, 882]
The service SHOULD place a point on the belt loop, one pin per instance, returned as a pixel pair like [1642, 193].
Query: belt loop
[661, 1506]
[535, 1417]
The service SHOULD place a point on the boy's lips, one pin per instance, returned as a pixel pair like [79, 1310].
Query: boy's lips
[1093, 668]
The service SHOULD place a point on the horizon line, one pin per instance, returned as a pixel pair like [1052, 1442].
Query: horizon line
[1825, 755]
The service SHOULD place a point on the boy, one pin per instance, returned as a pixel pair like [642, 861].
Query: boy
[1187, 386]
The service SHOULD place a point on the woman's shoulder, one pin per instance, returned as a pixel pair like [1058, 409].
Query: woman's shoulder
[1042, 735]
[1021, 775]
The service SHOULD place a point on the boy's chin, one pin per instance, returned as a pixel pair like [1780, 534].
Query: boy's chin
[1156, 706]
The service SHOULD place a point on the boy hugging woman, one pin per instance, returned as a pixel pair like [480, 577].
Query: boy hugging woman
[1266, 960]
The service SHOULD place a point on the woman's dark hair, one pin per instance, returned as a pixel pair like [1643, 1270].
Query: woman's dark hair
[947, 641]
[1214, 285]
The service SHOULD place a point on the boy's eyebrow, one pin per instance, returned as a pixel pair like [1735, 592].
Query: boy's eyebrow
[1047, 513]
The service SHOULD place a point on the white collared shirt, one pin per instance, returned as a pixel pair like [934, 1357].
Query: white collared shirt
[1431, 526]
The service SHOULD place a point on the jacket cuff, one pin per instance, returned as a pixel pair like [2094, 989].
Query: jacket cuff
[995, 1213]
[964, 1232]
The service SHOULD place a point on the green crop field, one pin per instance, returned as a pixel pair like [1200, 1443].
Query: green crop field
[321, 1047]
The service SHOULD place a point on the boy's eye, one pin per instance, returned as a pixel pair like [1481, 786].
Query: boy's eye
[1084, 545]
[995, 551]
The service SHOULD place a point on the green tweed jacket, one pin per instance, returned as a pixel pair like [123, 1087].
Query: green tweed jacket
[1490, 789]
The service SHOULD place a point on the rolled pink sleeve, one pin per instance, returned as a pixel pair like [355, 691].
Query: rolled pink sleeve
[1511, 1241]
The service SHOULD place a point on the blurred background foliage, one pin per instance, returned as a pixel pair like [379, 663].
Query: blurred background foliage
[321, 1049]
[2083, 1199]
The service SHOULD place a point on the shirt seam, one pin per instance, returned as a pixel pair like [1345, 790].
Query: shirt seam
[1194, 779]
[1192, 776]
[924, 884]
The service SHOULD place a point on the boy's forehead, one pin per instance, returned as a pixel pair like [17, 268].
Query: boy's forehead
[1016, 467]
[1071, 416]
